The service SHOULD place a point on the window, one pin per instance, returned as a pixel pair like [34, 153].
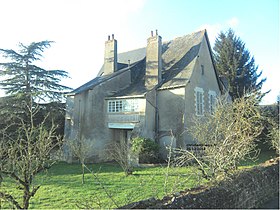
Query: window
[130, 105]
[125, 105]
[202, 70]
[199, 101]
[212, 101]
[112, 106]
[119, 106]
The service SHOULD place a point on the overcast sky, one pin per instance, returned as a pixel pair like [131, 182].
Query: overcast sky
[80, 28]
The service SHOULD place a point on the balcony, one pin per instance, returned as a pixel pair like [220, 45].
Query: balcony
[123, 121]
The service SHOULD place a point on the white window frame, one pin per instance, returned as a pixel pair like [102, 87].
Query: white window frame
[212, 97]
[199, 101]
[112, 106]
[123, 105]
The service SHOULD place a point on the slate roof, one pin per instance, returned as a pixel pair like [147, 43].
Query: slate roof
[133, 55]
[100, 79]
[178, 57]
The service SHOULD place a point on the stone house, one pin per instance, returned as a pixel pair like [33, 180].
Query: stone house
[152, 92]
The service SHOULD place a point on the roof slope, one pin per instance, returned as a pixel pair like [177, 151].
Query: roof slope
[178, 57]
[100, 79]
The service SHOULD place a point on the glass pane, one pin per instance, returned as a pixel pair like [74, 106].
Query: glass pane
[118, 106]
[111, 106]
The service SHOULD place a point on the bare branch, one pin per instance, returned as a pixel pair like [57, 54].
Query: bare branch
[11, 199]
[230, 131]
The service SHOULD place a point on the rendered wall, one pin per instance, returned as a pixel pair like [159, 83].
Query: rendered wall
[87, 113]
[149, 125]
[206, 80]
[171, 105]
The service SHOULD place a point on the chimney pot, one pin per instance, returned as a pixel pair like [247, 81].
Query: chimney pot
[110, 56]
[153, 75]
[113, 36]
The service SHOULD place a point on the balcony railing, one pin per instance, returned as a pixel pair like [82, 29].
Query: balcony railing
[123, 118]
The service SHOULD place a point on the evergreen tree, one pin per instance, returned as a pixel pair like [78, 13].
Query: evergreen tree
[28, 130]
[26, 85]
[234, 62]
[22, 78]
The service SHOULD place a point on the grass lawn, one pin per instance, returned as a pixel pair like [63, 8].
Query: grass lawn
[61, 186]
[262, 157]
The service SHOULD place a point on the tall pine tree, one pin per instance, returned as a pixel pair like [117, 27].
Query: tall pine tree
[27, 86]
[22, 78]
[234, 62]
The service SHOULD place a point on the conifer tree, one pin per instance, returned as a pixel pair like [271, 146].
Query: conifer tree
[21, 77]
[28, 129]
[234, 62]
[27, 85]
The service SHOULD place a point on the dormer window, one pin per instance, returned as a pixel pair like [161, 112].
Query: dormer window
[123, 105]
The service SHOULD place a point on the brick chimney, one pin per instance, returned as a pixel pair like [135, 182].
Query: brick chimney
[110, 56]
[153, 60]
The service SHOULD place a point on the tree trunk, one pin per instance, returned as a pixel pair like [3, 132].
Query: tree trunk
[26, 197]
[83, 173]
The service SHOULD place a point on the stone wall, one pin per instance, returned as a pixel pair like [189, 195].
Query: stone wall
[248, 189]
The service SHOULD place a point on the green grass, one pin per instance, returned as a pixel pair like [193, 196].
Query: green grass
[261, 158]
[61, 186]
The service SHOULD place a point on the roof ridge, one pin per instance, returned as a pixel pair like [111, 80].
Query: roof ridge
[140, 48]
[191, 34]
[164, 42]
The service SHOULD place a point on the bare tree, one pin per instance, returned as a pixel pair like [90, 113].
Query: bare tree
[81, 150]
[119, 151]
[25, 155]
[225, 137]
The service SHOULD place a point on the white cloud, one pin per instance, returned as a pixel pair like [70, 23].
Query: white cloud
[214, 29]
[233, 22]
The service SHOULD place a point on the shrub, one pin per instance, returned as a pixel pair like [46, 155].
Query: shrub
[270, 118]
[147, 149]
[274, 137]
[229, 134]
[119, 151]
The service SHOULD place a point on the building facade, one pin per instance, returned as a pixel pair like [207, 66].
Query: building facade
[152, 92]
